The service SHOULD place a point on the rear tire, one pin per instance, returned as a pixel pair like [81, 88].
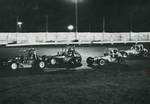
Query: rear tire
[53, 61]
[41, 65]
[13, 66]
[124, 54]
[78, 61]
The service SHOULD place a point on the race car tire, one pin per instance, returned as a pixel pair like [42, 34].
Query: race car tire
[53, 61]
[13, 66]
[78, 61]
[125, 55]
[90, 61]
[102, 62]
[71, 62]
[145, 54]
[38, 66]
[41, 65]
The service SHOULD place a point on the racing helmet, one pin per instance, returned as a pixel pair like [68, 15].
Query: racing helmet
[115, 51]
[111, 51]
[71, 49]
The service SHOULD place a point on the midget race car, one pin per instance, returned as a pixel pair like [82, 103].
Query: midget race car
[29, 59]
[135, 50]
[111, 56]
[68, 57]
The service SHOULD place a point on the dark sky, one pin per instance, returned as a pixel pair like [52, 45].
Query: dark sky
[119, 15]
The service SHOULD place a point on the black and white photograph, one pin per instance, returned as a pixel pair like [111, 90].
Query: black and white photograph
[74, 52]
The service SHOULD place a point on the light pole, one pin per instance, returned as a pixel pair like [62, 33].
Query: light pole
[47, 23]
[76, 14]
[131, 27]
[18, 27]
[76, 19]
[103, 23]
[103, 26]
[19, 24]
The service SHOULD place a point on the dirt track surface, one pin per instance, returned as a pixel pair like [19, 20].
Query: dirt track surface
[112, 84]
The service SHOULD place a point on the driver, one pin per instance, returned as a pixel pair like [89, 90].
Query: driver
[32, 54]
[114, 53]
[141, 48]
[137, 48]
[71, 51]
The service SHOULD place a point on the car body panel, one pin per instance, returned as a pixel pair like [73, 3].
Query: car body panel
[64, 59]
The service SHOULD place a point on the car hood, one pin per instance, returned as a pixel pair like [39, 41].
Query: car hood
[102, 57]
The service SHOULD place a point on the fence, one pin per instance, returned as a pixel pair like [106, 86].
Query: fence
[33, 38]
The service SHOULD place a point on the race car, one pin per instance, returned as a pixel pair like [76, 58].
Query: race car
[111, 56]
[29, 59]
[135, 50]
[68, 57]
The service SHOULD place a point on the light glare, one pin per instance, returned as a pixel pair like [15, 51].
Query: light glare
[70, 27]
[74, 1]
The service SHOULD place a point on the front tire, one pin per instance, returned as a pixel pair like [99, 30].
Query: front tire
[102, 62]
[90, 61]
[145, 54]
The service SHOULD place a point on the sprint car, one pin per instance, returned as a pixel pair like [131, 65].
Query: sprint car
[111, 56]
[135, 50]
[29, 59]
[68, 57]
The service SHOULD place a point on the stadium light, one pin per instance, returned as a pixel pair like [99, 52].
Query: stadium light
[76, 14]
[19, 24]
[70, 27]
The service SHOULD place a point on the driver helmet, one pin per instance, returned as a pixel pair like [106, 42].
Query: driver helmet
[115, 51]
[111, 51]
[70, 49]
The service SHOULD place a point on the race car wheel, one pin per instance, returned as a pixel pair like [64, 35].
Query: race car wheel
[53, 61]
[125, 55]
[145, 54]
[89, 60]
[71, 62]
[78, 61]
[101, 62]
[41, 64]
[14, 66]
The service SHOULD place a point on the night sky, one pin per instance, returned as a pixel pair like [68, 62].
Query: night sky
[120, 15]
